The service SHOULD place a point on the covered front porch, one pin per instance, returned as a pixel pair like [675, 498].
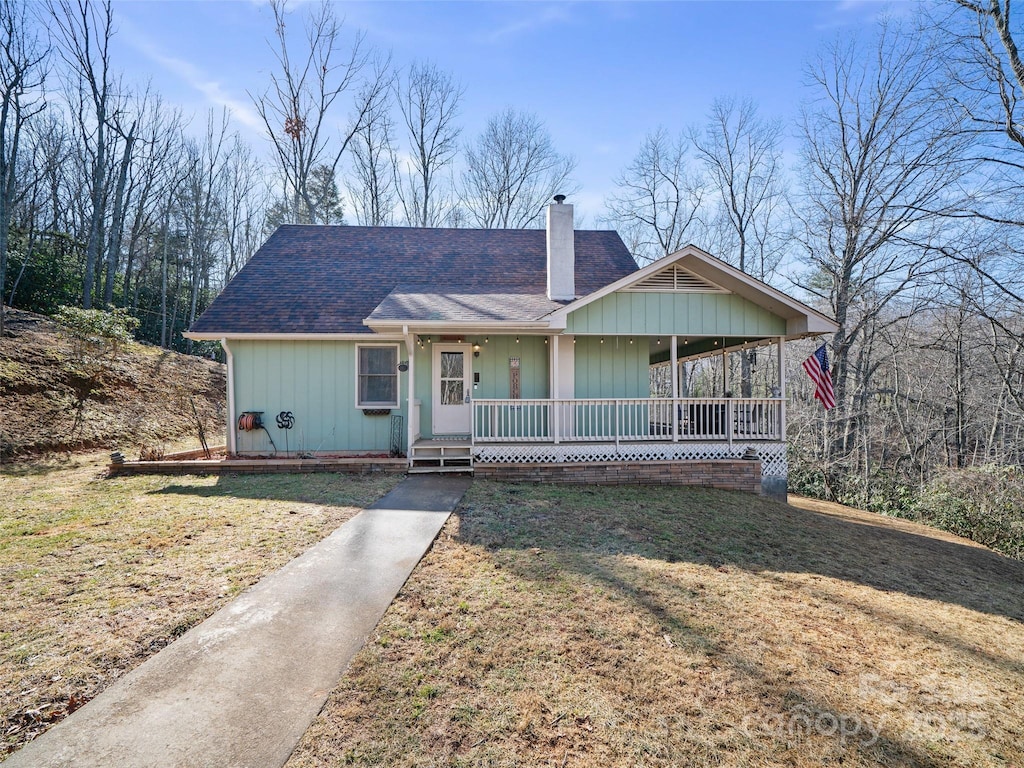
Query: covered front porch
[683, 360]
[681, 405]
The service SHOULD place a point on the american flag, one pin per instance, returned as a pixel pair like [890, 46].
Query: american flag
[817, 368]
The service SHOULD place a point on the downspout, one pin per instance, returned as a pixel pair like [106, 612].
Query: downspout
[231, 396]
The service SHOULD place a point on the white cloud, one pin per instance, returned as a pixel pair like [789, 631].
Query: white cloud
[211, 89]
[550, 15]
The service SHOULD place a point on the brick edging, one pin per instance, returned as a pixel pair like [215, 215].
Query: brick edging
[259, 466]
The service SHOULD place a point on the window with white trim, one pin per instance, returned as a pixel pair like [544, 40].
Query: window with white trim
[377, 376]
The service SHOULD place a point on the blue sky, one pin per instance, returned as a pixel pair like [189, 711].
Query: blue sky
[599, 74]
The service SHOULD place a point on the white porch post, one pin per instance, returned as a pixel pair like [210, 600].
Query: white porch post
[782, 387]
[410, 348]
[554, 388]
[553, 362]
[563, 367]
[725, 370]
[674, 412]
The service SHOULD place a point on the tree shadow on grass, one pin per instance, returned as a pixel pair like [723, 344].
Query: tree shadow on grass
[338, 489]
[587, 530]
[799, 716]
[753, 533]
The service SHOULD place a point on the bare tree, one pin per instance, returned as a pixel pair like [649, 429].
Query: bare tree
[659, 201]
[880, 162]
[155, 174]
[985, 83]
[742, 154]
[22, 75]
[299, 108]
[128, 127]
[429, 102]
[201, 212]
[373, 187]
[84, 31]
[243, 207]
[512, 170]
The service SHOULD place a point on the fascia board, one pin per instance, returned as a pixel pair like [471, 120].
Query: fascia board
[435, 326]
[394, 336]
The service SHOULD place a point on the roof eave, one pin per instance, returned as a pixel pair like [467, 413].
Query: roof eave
[215, 336]
[435, 326]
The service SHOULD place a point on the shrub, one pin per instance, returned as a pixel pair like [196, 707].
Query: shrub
[97, 329]
[984, 504]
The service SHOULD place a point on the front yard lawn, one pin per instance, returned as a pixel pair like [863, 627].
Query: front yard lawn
[597, 627]
[98, 574]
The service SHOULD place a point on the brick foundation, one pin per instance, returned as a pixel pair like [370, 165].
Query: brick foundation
[727, 474]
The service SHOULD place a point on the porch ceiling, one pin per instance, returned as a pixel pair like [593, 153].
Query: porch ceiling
[694, 348]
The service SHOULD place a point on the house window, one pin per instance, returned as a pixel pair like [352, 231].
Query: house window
[377, 377]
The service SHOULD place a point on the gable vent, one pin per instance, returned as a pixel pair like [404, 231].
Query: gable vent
[675, 278]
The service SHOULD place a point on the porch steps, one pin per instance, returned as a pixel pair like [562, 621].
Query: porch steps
[442, 456]
[440, 470]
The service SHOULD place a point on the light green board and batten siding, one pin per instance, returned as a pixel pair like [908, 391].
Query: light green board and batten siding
[493, 367]
[652, 314]
[614, 368]
[316, 381]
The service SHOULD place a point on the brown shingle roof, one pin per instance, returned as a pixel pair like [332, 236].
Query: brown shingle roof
[328, 279]
[424, 303]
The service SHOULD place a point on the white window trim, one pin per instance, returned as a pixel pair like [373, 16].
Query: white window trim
[398, 378]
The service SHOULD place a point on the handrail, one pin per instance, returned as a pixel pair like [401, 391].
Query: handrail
[546, 420]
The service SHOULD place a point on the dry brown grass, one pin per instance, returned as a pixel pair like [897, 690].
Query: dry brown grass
[99, 574]
[662, 627]
[52, 399]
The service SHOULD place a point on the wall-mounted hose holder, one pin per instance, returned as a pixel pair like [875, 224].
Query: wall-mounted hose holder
[250, 421]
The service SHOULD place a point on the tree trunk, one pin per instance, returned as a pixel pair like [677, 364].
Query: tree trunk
[117, 219]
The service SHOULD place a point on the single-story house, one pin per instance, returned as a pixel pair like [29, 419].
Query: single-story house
[505, 351]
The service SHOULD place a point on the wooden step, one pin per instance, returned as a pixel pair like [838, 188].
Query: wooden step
[440, 455]
[438, 470]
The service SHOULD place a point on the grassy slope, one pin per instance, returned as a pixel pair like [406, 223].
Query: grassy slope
[100, 573]
[52, 400]
[661, 627]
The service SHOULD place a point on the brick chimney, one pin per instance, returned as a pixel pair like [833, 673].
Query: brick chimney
[561, 251]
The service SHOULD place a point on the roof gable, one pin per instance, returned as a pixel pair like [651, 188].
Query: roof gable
[800, 319]
[674, 279]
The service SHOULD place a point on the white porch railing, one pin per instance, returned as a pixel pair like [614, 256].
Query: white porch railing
[627, 419]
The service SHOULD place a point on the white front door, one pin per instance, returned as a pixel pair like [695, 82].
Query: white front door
[451, 389]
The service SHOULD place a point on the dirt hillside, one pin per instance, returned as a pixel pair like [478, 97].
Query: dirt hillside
[54, 398]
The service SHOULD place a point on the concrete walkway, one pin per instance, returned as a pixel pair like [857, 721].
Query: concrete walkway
[241, 688]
